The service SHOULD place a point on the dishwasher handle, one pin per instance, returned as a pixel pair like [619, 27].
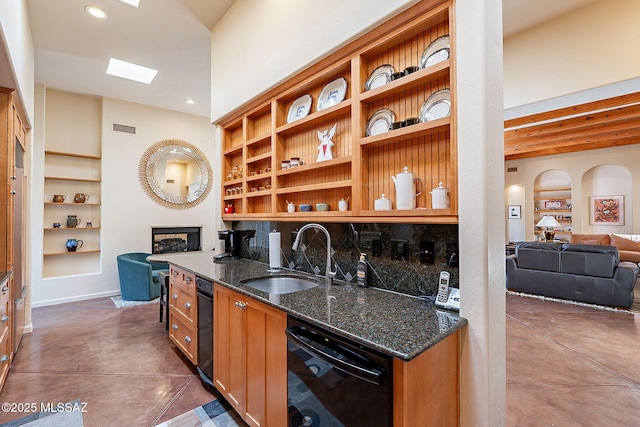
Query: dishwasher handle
[301, 337]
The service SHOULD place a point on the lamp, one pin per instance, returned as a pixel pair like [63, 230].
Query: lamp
[548, 222]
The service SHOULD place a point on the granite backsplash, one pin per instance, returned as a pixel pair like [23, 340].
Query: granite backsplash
[429, 250]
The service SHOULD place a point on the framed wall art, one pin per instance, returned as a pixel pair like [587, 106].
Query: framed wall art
[607, 210]
[514, 211]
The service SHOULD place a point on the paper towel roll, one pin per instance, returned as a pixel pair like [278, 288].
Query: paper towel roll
[275, 260]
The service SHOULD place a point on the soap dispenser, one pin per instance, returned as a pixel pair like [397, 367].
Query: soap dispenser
[362, 277]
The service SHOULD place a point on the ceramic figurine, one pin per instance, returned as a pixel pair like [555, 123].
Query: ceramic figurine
[324, 149]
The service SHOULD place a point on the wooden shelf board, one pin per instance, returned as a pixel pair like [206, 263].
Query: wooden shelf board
[80, 252]
[543, 190]
[233, 197]
[76, 155]
[71, 228]
[233, 182]
[311, 119]
[258, 177]
[58, 178]
[259, 157]
[259, 193]
[258, 139]
[406, 83]
[315, 187]
[72, 204]
[233, 150]
[553, 211]
[410, 212]
[314, 166]
[405, 133]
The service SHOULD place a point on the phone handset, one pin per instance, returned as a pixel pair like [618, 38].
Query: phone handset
[447, 297]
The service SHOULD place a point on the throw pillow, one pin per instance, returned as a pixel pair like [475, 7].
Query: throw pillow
[624, 244]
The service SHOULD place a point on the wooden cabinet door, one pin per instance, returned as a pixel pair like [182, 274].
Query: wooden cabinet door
[228, 346]
[266, 393]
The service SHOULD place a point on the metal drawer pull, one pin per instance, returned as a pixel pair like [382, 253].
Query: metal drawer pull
[4, 318]
[241, 305]
[5, 288]
[175, 327]
[187, 305]
[187, 339]
[175, 273]
[13, 191]
[4, 358]
[187, 279]
[174, 296]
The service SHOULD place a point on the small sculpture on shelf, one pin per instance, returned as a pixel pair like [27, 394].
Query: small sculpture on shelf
[324, 149]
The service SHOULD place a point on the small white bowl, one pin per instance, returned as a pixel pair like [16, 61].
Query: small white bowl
[322, 207]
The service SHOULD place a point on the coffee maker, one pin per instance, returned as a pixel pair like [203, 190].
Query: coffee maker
[233, 243]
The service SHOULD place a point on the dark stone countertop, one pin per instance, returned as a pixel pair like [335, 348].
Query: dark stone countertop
[395, 324]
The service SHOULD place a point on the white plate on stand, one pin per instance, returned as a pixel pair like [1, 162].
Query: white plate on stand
[333, 93]
[300, 108]
[380, 122]
[437, 106]
[437, 51]
[379, 77]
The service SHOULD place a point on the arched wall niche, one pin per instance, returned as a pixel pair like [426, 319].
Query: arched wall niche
[552, 196]
[607, 180]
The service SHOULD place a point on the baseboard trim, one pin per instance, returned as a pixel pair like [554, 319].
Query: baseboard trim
[75, 298]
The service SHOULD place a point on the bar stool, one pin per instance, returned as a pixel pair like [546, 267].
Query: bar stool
[163, 278]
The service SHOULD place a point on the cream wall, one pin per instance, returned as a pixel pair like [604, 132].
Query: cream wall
[579, 166]
[16, 48]
[595, 46]
[127, 213]
[260, 43]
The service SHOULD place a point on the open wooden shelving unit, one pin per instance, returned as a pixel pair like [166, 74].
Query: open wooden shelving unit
[257, 137]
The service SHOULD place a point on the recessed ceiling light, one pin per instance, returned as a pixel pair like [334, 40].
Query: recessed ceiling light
[134, 3]
[96, 12]
[127, 70]
[189, 101]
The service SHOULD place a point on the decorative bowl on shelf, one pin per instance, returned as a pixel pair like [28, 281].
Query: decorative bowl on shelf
[305, 207]
[322, 207]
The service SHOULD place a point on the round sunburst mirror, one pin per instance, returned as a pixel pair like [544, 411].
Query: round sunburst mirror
[175, 174]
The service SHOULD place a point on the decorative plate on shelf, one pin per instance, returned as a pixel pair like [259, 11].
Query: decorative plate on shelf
[436, 52]
[379, 77]
[333, 93]
[300, 108]
[380, 122]
[437, 106]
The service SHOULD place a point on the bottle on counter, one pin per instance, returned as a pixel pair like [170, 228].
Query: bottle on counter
[362, 277]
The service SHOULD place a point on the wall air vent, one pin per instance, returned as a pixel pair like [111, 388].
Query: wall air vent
[513, 169]
[117, 127]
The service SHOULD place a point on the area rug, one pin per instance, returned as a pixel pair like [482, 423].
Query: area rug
[217, 413]
[120, 303]
[67, 415]
[635, 308]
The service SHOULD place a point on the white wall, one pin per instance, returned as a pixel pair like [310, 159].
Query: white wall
[260, 43]
[127, 212]
[595, 46]
[16, 48]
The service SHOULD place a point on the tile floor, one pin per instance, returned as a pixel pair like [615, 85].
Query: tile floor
[567, 365]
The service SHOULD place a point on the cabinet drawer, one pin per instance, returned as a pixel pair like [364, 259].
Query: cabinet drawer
[184, 336]
[183, 278]
[184, 302]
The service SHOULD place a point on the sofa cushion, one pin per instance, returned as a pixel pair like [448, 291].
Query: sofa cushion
[538, 256]
[624, 244]
[589, 260]
[589, 239]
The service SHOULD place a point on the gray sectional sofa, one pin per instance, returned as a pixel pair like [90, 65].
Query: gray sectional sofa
[585, 273]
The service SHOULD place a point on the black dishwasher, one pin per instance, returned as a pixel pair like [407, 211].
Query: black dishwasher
[333, 381]
[205, 331]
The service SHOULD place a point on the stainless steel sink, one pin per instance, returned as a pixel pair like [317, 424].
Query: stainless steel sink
[280, 284]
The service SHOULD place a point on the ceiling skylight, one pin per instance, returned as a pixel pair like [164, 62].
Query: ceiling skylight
[129, 71]
[134, 3]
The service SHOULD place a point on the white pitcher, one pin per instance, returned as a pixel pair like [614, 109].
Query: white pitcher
[406, 194]
[440, 197]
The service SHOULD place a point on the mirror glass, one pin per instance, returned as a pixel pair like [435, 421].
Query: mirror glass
[175, 174]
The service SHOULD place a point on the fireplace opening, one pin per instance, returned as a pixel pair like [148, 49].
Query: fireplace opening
[175, 239]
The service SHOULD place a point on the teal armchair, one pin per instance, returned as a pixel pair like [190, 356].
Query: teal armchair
[139, 277]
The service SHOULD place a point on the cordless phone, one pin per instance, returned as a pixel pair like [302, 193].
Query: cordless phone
[447, 297]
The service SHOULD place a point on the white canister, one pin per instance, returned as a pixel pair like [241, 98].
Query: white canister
[291, 207]
[382, 204]
[343, 205]
[440, 197]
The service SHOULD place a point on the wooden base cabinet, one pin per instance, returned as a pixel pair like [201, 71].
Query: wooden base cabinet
[183, 315]
[250, 357]
[5, 328]
[426, 390]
